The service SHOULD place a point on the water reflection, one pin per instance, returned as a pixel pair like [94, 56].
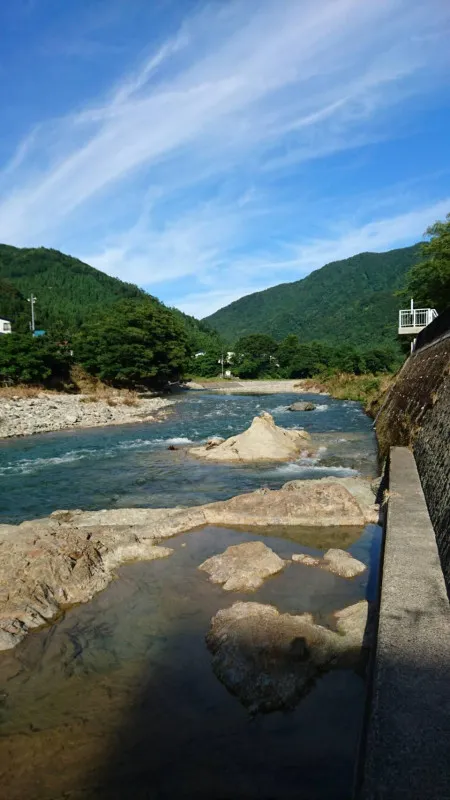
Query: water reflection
[120, 694]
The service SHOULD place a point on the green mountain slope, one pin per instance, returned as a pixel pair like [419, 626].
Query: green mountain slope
[68, 291]
[348, 301]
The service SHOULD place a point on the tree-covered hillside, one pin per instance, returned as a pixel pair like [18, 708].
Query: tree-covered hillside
[68, 290]
[70, 293]
[351, 301]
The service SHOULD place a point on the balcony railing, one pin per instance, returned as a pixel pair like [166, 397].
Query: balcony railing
[415, 320]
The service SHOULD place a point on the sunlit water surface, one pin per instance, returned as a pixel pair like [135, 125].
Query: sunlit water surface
[117, 699]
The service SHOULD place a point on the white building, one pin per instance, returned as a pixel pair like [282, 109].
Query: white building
[5, 326]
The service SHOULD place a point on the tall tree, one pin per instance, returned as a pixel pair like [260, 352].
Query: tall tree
[255, 356]
[428, 282]
[134, 342]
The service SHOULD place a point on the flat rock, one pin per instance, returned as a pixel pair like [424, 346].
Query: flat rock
[359, 488]
[263, 441]
[309, 503]
[47, 564]
[335, 560]
[243, 567]
[270, 660]
[302, 406]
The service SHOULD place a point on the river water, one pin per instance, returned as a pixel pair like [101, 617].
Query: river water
[117, 699]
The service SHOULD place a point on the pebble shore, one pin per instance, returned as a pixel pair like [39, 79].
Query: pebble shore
[22, 416]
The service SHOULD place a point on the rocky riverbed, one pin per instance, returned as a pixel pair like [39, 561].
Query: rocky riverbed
[68, 557]
[22, 416]
[257, 604]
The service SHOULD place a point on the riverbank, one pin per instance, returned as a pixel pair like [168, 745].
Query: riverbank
[370, 390]
[54, 411]
[236, 386]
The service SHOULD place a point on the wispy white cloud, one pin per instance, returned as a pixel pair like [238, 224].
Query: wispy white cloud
[241, 94]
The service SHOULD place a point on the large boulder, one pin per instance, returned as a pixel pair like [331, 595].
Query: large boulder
[335, 560]
[301, 406]
[270, 660]
[263, 441]
[243, 567]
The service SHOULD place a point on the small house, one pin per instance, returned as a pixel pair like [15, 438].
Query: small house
[5, 326]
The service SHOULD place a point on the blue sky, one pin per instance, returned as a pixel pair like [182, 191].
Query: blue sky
[207, 150]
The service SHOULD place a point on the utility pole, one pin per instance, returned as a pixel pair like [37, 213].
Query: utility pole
[32, 299]
[222, 364]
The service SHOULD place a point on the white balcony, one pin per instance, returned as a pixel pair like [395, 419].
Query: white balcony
[414, 320]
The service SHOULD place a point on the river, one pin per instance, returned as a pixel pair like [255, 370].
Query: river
[117, 698]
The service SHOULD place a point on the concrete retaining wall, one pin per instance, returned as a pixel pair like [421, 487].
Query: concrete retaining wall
[406, 746]
[416, 413]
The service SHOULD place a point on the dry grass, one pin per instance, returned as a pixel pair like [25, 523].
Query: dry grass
[21, 390]
[94, 390]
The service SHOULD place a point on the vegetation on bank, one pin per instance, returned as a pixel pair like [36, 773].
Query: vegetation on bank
[369, 390]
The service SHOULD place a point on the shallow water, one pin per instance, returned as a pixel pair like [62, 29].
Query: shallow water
[130, 465]
[117, 699]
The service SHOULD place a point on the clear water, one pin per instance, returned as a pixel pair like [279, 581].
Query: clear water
[117, 699]
[130, 465]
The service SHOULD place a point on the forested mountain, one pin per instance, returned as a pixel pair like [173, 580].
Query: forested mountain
[349, 301]
[69, 293]
[68, 290]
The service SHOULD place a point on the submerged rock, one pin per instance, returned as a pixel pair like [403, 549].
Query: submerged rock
[342, 563]
[66, 558]
[337, 561]
[263, 441]
[243, 567]
[270, 660]
[301, 406]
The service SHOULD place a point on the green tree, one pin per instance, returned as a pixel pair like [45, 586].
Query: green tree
[134, 342]
[255, 356]
[288, 351]
[207, 365]
[428, 282]
[24, 359]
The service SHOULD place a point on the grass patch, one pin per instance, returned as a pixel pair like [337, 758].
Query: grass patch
[369, 390]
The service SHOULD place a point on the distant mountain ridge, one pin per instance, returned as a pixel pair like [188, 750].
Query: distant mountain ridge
[350, 301]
